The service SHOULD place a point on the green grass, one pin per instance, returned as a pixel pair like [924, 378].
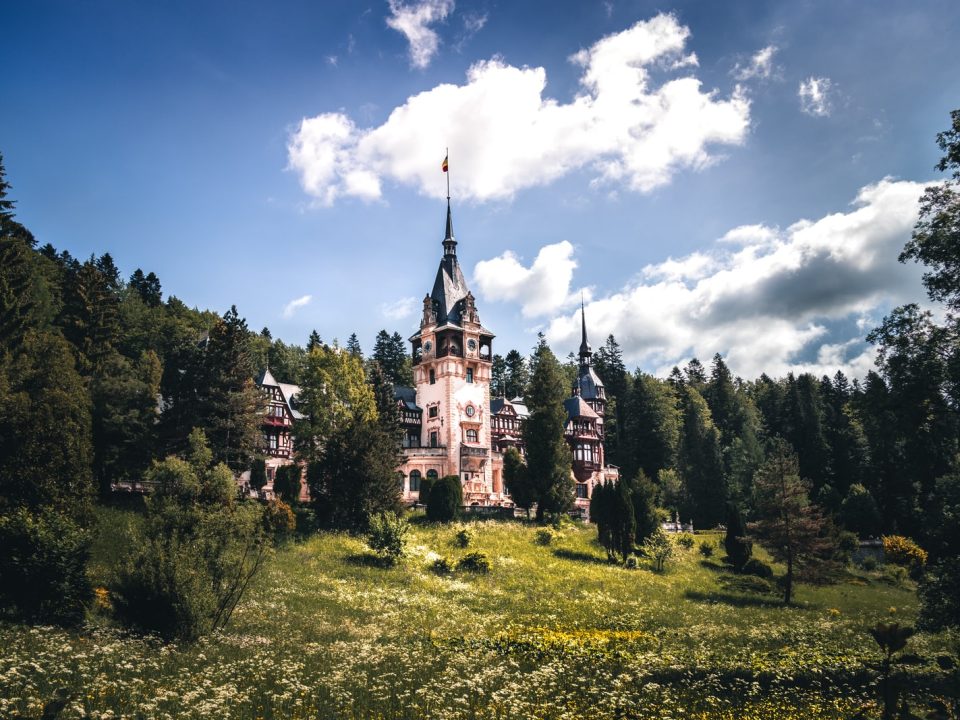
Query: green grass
[553, 631]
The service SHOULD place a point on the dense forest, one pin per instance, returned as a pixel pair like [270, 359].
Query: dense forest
[101, 376]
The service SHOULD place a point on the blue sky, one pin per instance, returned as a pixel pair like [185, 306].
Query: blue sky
[731, 177]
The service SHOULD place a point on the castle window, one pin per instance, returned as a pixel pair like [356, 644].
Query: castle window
[469, 375]
[433, 378]
[432, 475]
[472, 436]
[581, 490]
[434, 411]
[434, 439]
[414, 481]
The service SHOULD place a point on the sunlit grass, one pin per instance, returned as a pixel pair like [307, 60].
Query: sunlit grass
[553, 631]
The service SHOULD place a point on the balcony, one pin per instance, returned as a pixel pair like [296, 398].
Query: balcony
[276, 421]
[425, 451]
[467, 451]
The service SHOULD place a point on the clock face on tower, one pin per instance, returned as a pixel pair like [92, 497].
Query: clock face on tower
[427, 346]
[471, 345]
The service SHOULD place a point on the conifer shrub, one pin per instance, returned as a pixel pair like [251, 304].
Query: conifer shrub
[446, 499]
[426, 485]
[464, 537]
[387, 536]
[738, 546]
[869, 564]
[442, 566]
[43, 566]
[544, 536]
[286, 484]
[685, 540]
[706, 548]
[475, 562]
[258, 474]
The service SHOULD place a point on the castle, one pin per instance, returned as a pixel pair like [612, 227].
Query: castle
[451, 424]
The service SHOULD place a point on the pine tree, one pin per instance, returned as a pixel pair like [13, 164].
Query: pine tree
[353, 346]
[624, 525]
[548, 454]
[789, 525]
[10, 228]
[643, 496]
[517, 375]
[699, 461]
[651, 426]
[498, 377]
[314, 341]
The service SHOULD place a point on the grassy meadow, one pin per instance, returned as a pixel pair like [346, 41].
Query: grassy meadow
[552, 631]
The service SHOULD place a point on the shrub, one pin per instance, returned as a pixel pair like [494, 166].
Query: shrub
[685, 540]
[658, 548]
[631, 562]
[43, 566]
[426, 485]
[738, 546]
[476, 562]
[388, 536]
[544, 536]
[706, 548]
[903, 551]
[939, 593]
[869, 563]
[446, 498]
[757, 568]
[278, 518]
[896, 575]
[442, 566]
[258, 474]
[847, 545]
[859, 512]
[464, 537]
[188, 571]
[286, 484]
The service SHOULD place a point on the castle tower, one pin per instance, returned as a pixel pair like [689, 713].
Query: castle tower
[452, 354]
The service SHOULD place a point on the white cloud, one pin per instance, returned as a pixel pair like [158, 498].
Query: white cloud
[414, 22]
[765, 298]
[759, 67]
[504, 135]
[474, 22]
[815, 95]
[399, 309]
[541, 289]
[291, 307]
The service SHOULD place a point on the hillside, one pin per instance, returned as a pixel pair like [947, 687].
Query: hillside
[553, 631]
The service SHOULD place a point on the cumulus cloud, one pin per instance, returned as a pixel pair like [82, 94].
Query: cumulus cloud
[769, 300]
[291, 307]
[505, 135]
[541, 288]
[399, 309]
[414, 22]
[760, 66]
[815, 95]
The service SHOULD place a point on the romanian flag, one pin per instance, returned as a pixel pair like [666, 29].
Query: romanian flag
[445, 167]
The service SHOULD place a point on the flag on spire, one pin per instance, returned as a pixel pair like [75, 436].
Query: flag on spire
[445, 167]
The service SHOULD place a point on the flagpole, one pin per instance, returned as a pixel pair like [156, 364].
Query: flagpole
[448, 176]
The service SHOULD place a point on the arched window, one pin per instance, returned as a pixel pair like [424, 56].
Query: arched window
[414, 481]
[472, 436]
[432, 474]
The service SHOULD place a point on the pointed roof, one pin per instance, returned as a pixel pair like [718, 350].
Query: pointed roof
[577, 407]
[450, 286]
[585, 350]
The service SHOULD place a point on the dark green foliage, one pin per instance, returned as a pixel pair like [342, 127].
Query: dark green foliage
[498, 377]
[517, 480]
[623, 525]
[147, 287]
[699, 461]
[390, 352]
[651, 426]
[936, 236]
[516, 375]
[643, 496]
[387, 411]
[258, 474]
[859, 512]
[426, 486]
[446, 499]
[286, 483]
[548, 454]
[45, 428]
[939, 592]
[43, 566]
[475, 562]
[356, 475]
[738, 546]
[353, 346]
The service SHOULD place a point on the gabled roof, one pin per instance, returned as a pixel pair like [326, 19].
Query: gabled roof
[289, 391]
[577, 407]
[449, 291]
[407, 396]
[589, 382]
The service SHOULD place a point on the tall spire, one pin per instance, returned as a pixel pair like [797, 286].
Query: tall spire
[449, 243]
[585, 349]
